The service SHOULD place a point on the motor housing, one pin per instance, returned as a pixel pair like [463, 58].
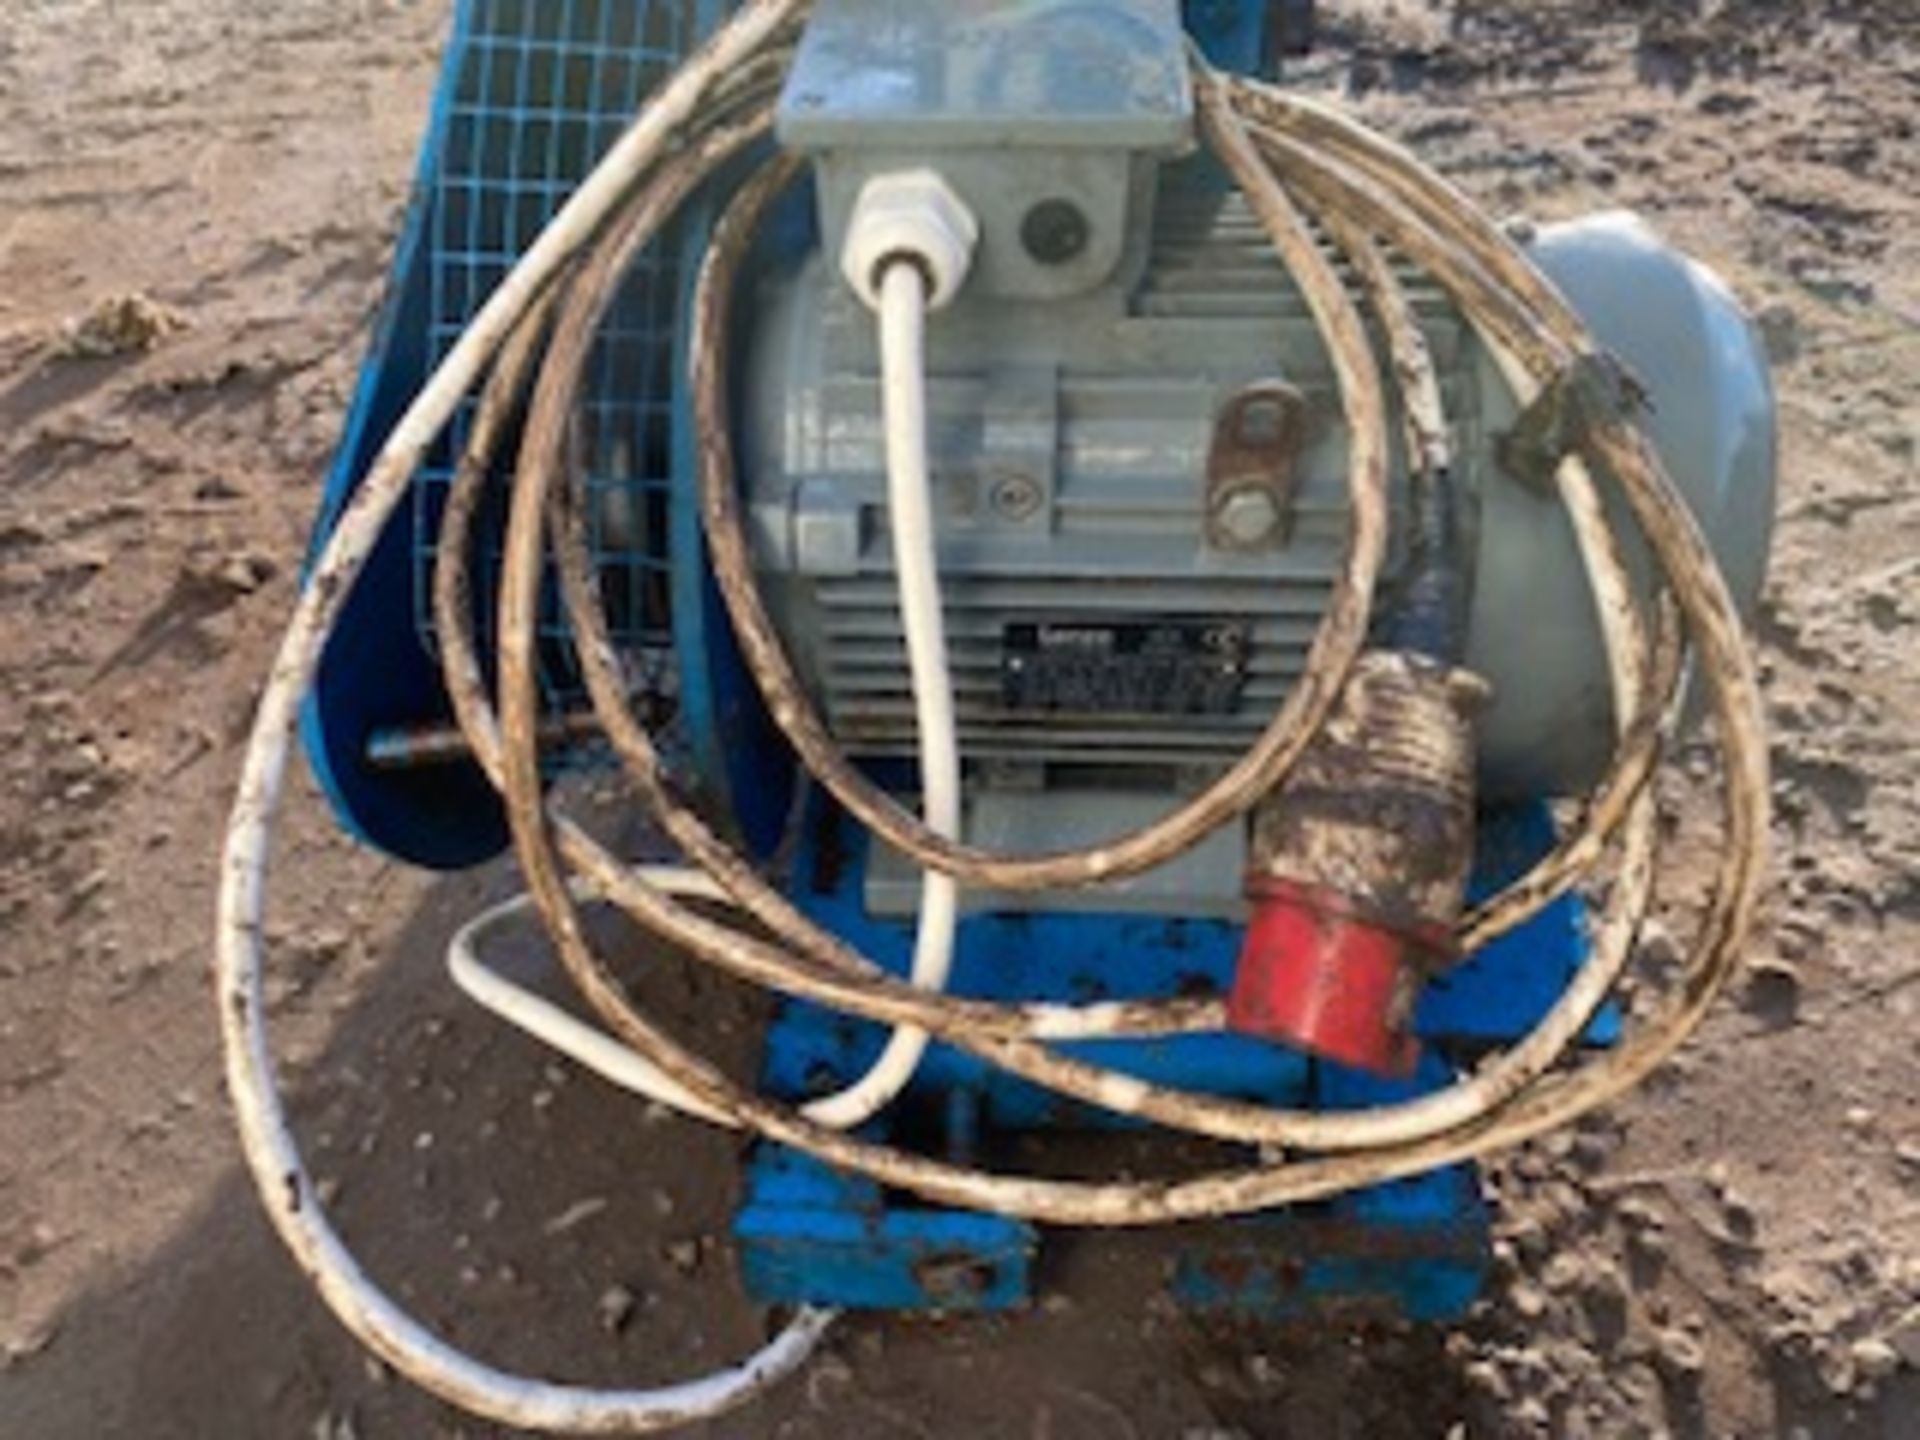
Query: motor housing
[1113, 621]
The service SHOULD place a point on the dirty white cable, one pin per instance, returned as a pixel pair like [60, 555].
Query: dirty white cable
[267, 1141]
[514, 1000]
[903, 310]
[1455, 243]
[903, 305]
[1410, 1121]
[903, 300]
[1485, 277]
[901, 296]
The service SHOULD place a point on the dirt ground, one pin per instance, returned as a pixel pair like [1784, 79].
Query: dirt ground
[1733, 1252]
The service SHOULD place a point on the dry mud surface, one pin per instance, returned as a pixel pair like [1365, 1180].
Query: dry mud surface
[1733, 1252]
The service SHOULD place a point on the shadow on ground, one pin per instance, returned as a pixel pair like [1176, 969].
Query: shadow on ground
[552, 1224]
[549, 1223]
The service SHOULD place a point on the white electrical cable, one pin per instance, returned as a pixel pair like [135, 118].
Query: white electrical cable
[524, 1008]
[908, 249]
[903, 308]
[513, 999]
[903, 300]
[267, 1141]
[271, 1151]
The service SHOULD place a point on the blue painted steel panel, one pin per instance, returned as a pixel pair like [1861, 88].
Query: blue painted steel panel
[375, 674]
[1503, 991]
[810, 1235]
[1232, 33]
[1417, 1246]
[531, 93]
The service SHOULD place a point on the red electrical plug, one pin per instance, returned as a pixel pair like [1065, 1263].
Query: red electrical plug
[1358, 868]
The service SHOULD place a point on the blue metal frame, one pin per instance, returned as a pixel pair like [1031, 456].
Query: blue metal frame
[809, 1234]
[376, 675]
[530, 95]
[1231, 33]
[1417, 1248]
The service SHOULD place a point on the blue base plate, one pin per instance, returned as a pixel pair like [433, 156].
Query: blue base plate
[808, 1234]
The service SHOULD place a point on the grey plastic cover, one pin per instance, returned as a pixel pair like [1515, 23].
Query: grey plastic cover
[1022, 74]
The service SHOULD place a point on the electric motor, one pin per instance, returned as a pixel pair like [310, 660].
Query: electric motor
[1137, 448]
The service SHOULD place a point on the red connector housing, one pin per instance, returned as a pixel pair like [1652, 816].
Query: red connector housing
[1319, 976]
[1359, 868]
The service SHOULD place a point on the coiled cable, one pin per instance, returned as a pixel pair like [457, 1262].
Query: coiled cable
[1294, 159]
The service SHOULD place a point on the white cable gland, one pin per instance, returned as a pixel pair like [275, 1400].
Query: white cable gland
[915, 216]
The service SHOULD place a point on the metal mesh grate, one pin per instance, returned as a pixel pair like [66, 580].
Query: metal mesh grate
[542, 88]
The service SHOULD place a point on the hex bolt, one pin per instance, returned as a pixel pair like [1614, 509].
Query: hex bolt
[954, 1278]
[1014, 497]
[1263, 422]
[1246, 518]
